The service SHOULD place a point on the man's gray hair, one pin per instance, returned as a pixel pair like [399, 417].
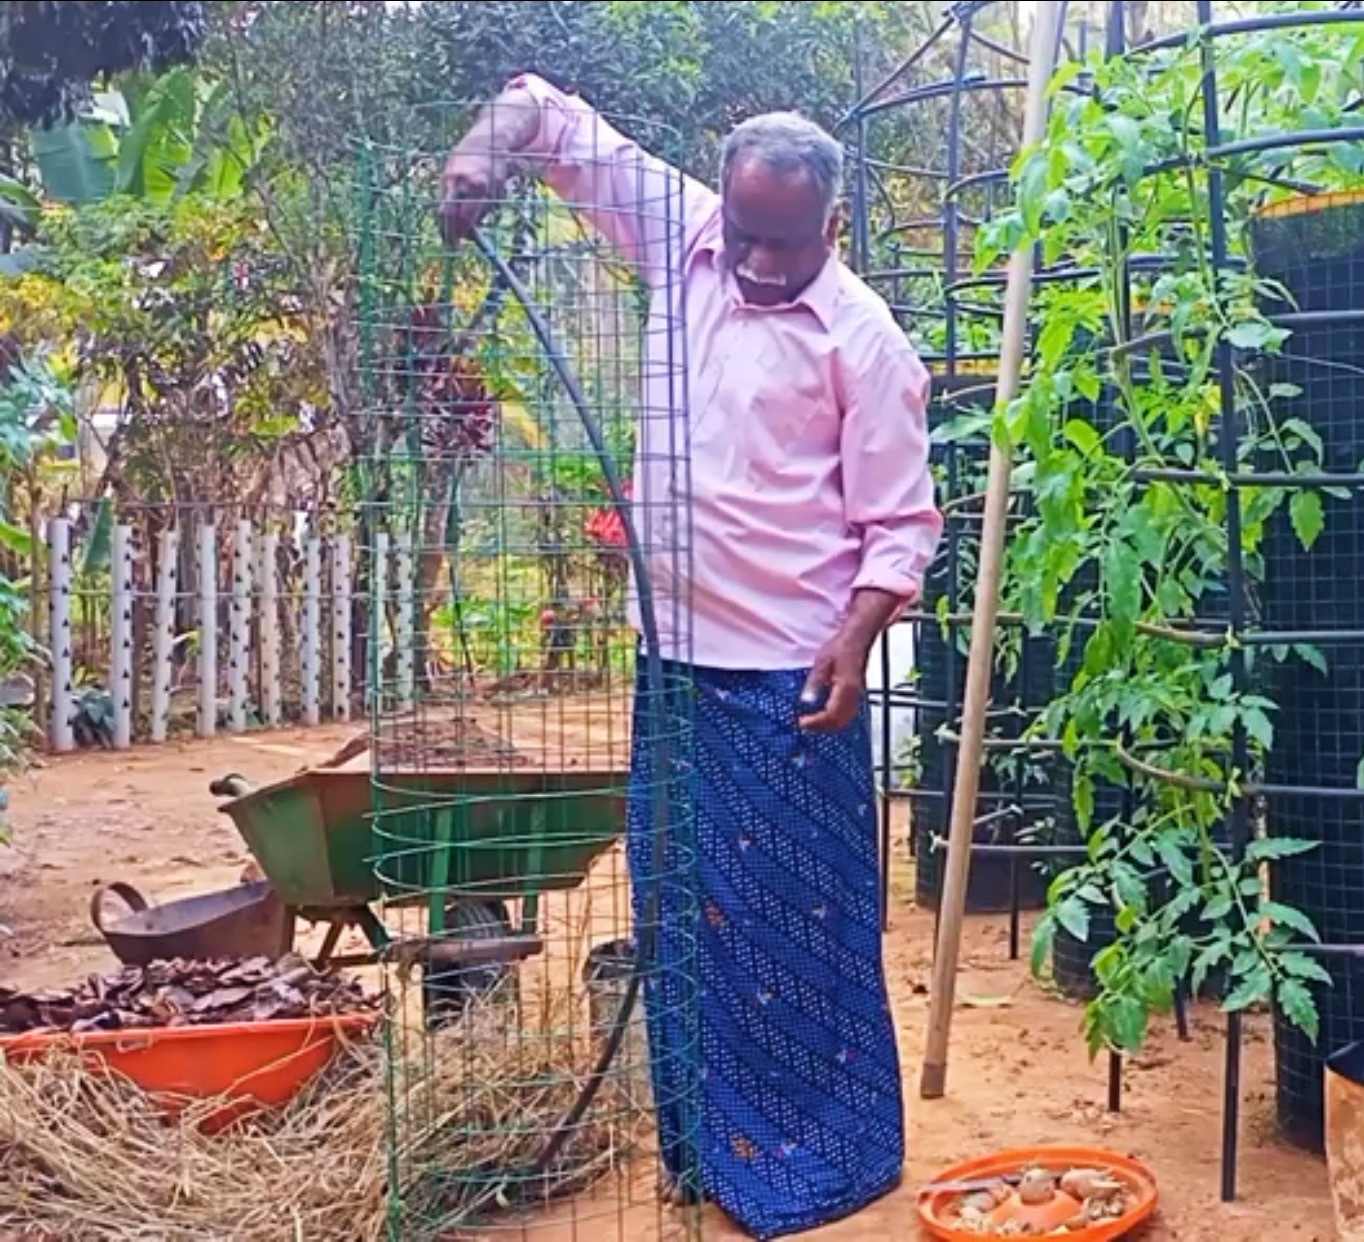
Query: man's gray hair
[787, 142]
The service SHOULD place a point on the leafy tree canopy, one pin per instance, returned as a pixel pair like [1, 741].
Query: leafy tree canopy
[52, 50]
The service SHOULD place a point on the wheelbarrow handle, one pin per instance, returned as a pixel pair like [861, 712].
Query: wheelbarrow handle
[126, 891]
[233, 785]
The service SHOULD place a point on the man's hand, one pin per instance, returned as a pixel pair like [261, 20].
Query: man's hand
[841, 665]
[476, 169]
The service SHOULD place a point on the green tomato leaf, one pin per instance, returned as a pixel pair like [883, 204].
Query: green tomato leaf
[1217, 908]
[1175, 861]
[1301, 966]
[1122, 581]
[1073, 915]
[1287, 916]
[1129, 1023]
[1306, 513]
[1044, 934]
[1311, 655]
[1269, 848]
[1082, 435]
[1250, 990]
[1299, 1007]
[1204, 962]
[1259, 726]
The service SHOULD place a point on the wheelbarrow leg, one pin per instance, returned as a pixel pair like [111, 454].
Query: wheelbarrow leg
[375, 932]
[328, 945]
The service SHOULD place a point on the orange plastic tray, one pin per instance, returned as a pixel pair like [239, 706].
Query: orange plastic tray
[937, 1209]
[254, 1064]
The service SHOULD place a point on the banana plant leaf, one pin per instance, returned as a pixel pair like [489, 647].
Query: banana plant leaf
[78, 162]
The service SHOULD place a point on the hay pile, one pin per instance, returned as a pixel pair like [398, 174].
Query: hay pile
[87, 1156]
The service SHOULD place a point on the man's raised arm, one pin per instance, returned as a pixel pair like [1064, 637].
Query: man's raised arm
[635, 200]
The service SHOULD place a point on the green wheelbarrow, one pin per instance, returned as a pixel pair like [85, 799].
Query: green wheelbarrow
[334, 841]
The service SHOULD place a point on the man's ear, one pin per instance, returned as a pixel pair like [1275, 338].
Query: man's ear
[835, 225]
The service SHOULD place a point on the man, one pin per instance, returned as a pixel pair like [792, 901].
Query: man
[812, 522]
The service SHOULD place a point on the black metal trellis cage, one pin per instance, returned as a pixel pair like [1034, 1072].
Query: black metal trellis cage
[1278, 216]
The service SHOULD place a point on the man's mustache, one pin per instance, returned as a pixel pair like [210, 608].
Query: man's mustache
[744, 272]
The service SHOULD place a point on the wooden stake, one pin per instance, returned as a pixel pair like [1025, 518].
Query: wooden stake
[121, 636]
[239, 638]
[269, 631]
[378, 640]
[311, 672]
[59, 632]
[341, 627]
[208, 631]
[163, 635]
[407, 608]
[933, 1080]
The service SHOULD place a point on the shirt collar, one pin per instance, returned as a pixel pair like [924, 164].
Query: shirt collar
[819, 297]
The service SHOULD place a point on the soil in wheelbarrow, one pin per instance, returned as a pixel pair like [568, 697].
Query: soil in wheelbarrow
[421, 743]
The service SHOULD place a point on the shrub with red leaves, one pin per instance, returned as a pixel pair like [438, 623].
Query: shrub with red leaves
[605, 528]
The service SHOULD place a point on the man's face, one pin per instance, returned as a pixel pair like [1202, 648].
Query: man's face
[776, 239]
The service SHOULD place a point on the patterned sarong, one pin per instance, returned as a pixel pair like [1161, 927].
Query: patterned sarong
[790, 1039]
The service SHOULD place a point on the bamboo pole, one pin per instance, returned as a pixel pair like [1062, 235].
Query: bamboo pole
[239, 638]
[121, 661]
[311, 671]
[208, 631]
[933, 1080]
[163, 635]
[341, 627]
[269, 630]
[62, 734]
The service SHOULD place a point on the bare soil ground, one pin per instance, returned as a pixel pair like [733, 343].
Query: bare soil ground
[1019, 1072]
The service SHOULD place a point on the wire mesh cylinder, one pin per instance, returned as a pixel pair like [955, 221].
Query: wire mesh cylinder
[522, 404]
[1313, 247]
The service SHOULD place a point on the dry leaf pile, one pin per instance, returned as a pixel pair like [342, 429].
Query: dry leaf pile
[180, 992]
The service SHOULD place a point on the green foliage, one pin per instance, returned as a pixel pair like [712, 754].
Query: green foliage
[35, 419]
[186, 317]
[1121, 173]
[169, 136]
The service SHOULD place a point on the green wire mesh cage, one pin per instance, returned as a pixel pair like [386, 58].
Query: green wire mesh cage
[522, 400]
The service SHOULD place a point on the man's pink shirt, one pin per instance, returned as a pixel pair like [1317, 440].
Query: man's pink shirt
[805, 451]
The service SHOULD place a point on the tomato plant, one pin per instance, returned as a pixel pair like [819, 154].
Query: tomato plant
[1129, 565]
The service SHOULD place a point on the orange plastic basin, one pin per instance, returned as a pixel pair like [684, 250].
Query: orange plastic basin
[255, 1064]
[938, 1209]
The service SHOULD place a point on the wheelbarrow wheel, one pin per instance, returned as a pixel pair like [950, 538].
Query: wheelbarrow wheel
[448, 992]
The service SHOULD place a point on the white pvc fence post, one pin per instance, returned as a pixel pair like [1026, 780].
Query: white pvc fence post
[378, 619]
[240, 630]
[59, 612]
[312, 632]
[121, 636]
[208, 632]
[269, 630]
[341, 627]
[163, 636]
[406, 611]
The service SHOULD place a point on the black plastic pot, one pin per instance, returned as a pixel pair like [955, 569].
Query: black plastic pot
[1315, 248]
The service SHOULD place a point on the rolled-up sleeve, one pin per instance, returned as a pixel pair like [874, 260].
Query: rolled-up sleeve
[887, 485]
[648, 210]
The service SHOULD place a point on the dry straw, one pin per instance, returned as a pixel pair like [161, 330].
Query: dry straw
[87, 1155]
